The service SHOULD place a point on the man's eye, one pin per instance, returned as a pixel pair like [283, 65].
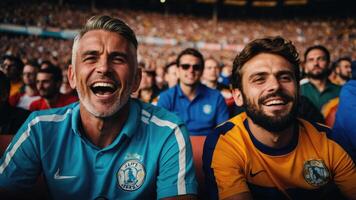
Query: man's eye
[286, 78]
[118, 60]
[89, 58]
[259, 80]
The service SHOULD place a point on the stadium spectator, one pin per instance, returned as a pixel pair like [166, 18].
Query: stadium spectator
[117, 147]
[65, 87]
[344, 127]
[210, 79]
[28, 93]
[342, 71]
[170, 74]
[319, 88]
[12, 67]
[11, 117]
[48, 82]
[200, 107]
[267, 152]
[148, 91]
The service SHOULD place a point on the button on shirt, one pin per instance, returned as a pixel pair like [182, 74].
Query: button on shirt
[151, 158]
[201, 115]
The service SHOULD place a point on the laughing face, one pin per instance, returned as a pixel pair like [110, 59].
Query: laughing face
[104, 73]
[269, 91]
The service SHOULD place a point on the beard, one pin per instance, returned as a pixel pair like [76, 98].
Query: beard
[319, 75]
[276, 123]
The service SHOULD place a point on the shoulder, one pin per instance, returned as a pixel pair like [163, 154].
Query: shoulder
[318, 133]
[226, 129]
[52, 115]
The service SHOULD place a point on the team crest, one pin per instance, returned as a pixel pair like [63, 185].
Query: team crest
[131, 175]
[207, 109]
[316, 173]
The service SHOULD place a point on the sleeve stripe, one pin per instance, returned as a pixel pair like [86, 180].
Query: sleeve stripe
[182, 154]
[26, 134]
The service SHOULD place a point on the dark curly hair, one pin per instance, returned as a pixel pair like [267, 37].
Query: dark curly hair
[274, 45]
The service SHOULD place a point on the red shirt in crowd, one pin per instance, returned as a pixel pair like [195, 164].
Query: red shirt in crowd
[62, 100]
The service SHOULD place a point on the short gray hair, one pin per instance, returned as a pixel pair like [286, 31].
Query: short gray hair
[107, 23]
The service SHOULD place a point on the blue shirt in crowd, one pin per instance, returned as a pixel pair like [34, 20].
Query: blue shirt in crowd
[151, 158]
[344, 127]
[201, 115]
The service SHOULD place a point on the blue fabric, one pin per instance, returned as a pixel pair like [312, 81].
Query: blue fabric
[344, 127]
[209, 147]
[201, 115]
[150, 158]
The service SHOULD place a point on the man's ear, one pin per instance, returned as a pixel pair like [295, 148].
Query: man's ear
[237, 95]
[71, 78]
[137, 80]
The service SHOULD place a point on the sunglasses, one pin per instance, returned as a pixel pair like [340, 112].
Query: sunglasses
[196, 67]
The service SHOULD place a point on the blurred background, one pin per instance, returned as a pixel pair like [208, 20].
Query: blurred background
[43, 30]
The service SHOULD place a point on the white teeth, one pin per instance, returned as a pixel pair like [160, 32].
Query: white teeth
[274, 102]
[101, 84]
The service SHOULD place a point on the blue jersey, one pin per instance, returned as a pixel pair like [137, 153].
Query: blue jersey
[150, 158]
[201, 115]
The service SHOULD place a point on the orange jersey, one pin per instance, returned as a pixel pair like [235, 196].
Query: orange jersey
[309, 167]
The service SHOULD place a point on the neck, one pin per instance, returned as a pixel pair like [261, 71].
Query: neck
[30, 90]
[320, 84]
[51, 101]
[272, 139]
[189, 90]
[145, 94]
[103, 131]
[212, 84]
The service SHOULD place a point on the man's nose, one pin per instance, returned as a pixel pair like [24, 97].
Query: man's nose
[273, 84]
[103, 66]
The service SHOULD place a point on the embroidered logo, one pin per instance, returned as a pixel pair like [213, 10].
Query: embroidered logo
[131, 175]
[316, 173]
[207, 109]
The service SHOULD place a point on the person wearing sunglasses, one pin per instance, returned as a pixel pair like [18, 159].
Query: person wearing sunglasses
[200, 107]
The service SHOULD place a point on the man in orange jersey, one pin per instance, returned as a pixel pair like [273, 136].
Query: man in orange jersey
[267, 152]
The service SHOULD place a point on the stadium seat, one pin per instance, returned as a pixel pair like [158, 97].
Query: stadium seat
[4, 142]
[197, 146]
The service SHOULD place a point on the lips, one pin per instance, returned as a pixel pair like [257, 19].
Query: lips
[101, 88]
[275, 102]
[277, 99]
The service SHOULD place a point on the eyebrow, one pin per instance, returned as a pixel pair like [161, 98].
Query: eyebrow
[112, 54]
[266, 73]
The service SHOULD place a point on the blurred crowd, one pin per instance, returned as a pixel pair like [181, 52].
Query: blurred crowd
[336, 34]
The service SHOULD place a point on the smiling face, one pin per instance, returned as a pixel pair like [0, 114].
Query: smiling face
[190, 76]
[105, 72]
[269, 91]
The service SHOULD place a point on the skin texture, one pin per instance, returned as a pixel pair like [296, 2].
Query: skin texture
[315, 62]
[171, 77]
[264, 78]
[344, 70]
[104, 57]
[46, 85]
[189, 79]
[211, 71]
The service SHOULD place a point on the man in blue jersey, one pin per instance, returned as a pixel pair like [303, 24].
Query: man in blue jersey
[200, 107]
[107, 146]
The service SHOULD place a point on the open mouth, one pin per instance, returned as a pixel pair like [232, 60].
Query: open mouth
[103, 88]
[275, 102]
